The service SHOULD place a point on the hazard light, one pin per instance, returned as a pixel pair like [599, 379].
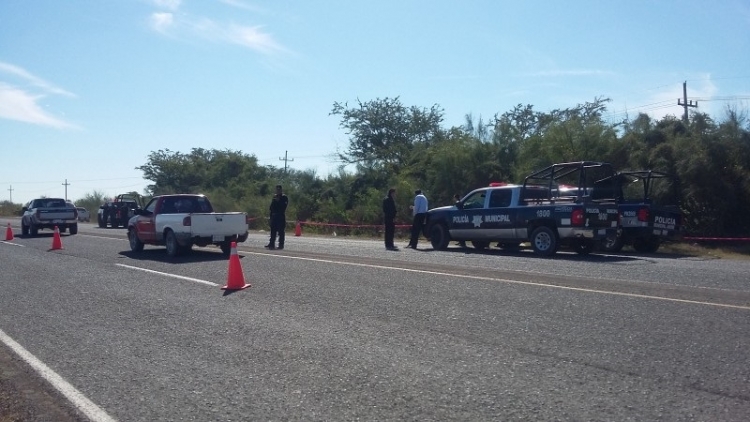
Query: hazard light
[496, 184]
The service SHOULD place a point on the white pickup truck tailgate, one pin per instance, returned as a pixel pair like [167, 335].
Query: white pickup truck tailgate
[56, 214]
[218, 224]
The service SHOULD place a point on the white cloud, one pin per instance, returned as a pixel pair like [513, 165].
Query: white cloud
[242, 5]
[21, 105]
[167, 4]
[161, 21]
[253, 38]
[573, 72]
[16, 104]
[28, 77]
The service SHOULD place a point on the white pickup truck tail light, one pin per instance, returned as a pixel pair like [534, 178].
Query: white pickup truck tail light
[186, 221]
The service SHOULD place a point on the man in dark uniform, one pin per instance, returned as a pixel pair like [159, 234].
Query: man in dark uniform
[389, 213]
[278, 218]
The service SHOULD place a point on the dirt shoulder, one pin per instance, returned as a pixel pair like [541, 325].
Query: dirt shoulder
[27, 397]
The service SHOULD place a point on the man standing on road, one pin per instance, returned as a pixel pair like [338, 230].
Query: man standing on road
[419, 210]
[278, 218]
[389, 215]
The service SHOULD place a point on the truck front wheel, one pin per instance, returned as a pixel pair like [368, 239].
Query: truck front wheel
[544, 241]
[439, 236]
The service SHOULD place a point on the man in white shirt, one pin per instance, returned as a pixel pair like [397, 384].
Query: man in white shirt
[419, 211]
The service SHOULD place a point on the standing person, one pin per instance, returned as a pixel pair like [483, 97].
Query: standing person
[419, 210]
[389, 215]
[278, 218]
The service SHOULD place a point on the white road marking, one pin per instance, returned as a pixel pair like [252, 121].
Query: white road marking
[89, 408]
[505, 280]
[11, 243]
[195, 280]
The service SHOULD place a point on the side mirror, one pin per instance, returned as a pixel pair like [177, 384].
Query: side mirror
[459, 205]
[24, 209]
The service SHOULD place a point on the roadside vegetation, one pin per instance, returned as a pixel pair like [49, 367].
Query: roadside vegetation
[407, 147]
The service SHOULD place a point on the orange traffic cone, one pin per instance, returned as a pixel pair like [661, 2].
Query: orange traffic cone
[56, 242]
[298, 229]
[235, 276]
[9, 233]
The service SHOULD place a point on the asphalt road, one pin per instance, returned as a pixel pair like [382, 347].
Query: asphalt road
[341, 329]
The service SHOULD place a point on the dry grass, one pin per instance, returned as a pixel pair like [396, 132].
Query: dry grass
[737, 250]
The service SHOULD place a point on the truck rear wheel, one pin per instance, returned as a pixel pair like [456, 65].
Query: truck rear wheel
[226, 248]
[173, 248]
[74, 229]
[613, 245]
[439, 236]
[544, 241]
[135, 244]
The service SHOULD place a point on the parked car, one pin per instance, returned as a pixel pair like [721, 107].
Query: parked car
[83, 214]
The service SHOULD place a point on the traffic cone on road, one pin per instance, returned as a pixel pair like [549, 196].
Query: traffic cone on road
[298, 229]
[235, 276]
[56, 242]
[9, 233]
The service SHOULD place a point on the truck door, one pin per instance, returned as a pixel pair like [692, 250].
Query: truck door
[499, 220]
[466, 222]
[146, 222]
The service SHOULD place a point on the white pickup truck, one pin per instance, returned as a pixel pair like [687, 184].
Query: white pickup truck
[48, 213]
[181, 221]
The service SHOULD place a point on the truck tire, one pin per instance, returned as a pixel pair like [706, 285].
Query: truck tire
[135, 244]
[24, 229]
[226, 248]
[583, 246]
[646, 245]
[544, 241]
[33, 230]
[73, 229]
[480, 244]
[613, 245]
[170, 240]
[439, 237]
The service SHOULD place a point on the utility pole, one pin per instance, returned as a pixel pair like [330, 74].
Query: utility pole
[66, 184]
[285, 160]
[11, 193]
[685, 103]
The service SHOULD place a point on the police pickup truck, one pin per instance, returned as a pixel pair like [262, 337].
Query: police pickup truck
[649, 214]
[549, 214]
[181, 221]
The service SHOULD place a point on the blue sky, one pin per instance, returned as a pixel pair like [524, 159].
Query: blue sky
[89, 88]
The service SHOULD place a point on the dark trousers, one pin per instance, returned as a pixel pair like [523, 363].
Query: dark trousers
[278, 225]
[390, 231]
[416, 228]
